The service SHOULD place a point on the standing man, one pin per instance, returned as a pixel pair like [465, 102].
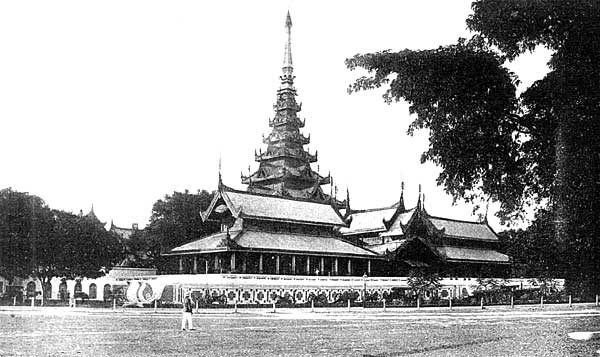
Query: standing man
[186, 316]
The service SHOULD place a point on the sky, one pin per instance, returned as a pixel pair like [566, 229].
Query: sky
[117, 103]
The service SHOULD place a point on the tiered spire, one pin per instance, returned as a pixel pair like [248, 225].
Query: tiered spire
[284, 168]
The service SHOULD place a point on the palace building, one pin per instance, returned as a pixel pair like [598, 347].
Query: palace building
[285, 238]
[285, 223]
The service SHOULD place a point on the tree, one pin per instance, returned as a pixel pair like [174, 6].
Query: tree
[143, 249]
[176, 220]
[536, 148]
[22, 216]
[76, 247]
[421, 282]
[533, 251]
[41, 243]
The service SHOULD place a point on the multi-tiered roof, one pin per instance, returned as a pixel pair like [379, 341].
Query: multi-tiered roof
[284, 168]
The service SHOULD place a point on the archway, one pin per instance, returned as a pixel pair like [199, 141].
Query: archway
[78, 287]
[31, 289]
[107, 292]
[47, 290]
[63, 293]
[93, 291]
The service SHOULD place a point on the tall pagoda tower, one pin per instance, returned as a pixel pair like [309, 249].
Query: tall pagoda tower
[284, 168]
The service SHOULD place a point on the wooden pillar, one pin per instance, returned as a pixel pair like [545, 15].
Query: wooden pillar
[335, 267]
[308, 265]
[369, 267]
[232, 262]
[217, 263]
[206, 264]
[293, 265]
[260, 264]
[244, 258]
[322, 266]
[349, 266]
[195, 264]
[180, 265]
[277, 264]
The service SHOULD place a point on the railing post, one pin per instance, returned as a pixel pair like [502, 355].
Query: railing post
[570, 301]
[542, 301]
[32, 302]
[348, 305]
[274, 306]
[312, 306]
[596, 299]
[450, 301]
[482, 303]
[235, 307]
[512, 301]
[155, 305]
[383, 305]
[196, 306]
[14, 301]
[114, 304]
[418, 302]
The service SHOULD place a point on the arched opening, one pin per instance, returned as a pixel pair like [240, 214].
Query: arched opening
[31, 289]
[107, 292]
[47, 290]
[93, 291]
[78, 287]
[63, 293]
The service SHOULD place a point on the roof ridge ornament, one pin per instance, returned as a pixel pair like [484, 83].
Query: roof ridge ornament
[220, 183]
[287, 57]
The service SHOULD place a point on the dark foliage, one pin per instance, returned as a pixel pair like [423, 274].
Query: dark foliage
[538, 148]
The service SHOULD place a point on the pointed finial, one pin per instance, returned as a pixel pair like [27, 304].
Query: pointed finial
[347, 198]
[331, 186]
[220, 184]
[287, 57]
[288, 20]
[487, 208]
[419, 201]
[401, 202]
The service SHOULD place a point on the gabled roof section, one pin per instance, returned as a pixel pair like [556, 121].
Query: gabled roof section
[398, 223]
[376, 220]
[369, 221]
[259, 241]
[124, 233]
[463, 229]
[472, 255]
[390, 246]
[91, 216]
[212, 243]
[273, 208]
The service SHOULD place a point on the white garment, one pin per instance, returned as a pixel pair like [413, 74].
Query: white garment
[186, 317]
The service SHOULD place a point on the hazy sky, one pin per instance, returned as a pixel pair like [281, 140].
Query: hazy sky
[117, 103]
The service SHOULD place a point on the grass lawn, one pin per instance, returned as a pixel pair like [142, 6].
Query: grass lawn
[94, 332]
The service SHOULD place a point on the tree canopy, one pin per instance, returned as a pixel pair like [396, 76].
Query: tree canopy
[175, 221]
[38, 242]
[539, 147]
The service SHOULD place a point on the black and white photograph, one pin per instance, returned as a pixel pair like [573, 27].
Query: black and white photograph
[300, 178]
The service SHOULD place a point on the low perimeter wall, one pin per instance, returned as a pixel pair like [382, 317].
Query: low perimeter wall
[266, 289]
